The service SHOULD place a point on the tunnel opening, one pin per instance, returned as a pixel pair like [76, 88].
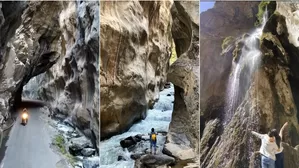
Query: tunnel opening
[26, 96]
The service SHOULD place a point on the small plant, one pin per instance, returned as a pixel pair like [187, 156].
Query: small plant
[259, 15]
[226, 42]
[60, 143]
[173, 57]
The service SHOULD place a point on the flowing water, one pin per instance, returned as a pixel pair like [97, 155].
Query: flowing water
[159, 118]
[243, 69]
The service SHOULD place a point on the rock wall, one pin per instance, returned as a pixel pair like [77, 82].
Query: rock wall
[58, 56]
[10, 19]
[183, 136]
[71, 86]
[135, 50]
[269, 102]
[225, 19]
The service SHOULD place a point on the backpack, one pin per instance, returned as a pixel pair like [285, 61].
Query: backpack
[154, 137]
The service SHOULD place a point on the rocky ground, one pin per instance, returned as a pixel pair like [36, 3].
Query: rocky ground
[71, 144]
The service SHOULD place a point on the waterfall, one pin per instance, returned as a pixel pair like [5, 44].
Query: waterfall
[243, 69]
[159, 118]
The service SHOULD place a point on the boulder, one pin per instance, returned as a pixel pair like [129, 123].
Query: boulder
[156, 160]
[76, 144]
[93, 162]
[136, 156]
[121, 158]
[88, 151]
[128, 142]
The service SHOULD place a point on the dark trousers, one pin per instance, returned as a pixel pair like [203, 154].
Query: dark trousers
[279, 160]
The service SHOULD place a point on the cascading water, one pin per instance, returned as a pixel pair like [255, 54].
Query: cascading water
[159, 118]
[243, 69]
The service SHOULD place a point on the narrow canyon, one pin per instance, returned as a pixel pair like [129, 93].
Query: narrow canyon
[141, 88]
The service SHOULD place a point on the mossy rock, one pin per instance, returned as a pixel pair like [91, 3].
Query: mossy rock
[271, 7]
[226, 42]
[237, 51]
[60, 143]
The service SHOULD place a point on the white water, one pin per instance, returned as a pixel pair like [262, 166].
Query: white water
[243, 69]
[158, 118]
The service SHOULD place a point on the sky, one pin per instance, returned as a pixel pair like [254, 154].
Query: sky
[206, 5]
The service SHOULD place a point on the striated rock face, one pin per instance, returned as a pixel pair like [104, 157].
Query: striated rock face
[36, 44]
[182, 138]
[270, 101]
[65, 46]
[10, 19]
[135, 50]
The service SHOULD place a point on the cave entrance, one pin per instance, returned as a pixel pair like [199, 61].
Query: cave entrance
[27, 95]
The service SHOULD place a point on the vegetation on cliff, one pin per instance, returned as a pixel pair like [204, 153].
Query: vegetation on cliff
[269, 5]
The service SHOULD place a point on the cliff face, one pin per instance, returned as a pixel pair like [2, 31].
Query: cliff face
[135, 50]
[224, 20]
[10, 19]
[56, 60]
[182, 139]
[71, 86]
[268, 103]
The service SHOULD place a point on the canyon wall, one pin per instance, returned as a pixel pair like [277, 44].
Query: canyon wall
[135, 51]
[56, 60]
[183, 136]
[270, 100]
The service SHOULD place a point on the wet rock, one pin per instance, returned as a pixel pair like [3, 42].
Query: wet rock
[167, 85]
[183, 131]
[156, 160]
[69, 122]
[138, 137]
[121, 158]
[79, 158]
[136, 156]
[93, 162]
[77, 144]
[75, 135]
[88, 151]
[128, 142]
[78, 165]
[65, 129]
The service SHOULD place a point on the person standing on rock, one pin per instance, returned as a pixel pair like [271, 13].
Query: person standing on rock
[279, 154]
[267, 149]
[153, 140]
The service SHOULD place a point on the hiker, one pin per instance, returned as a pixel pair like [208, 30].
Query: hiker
[279, 154]
[153, 140]
[267, 149]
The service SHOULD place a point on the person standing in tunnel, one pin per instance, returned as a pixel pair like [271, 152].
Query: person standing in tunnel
[153, 140]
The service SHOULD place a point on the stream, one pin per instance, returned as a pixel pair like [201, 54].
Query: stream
[159, 118]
